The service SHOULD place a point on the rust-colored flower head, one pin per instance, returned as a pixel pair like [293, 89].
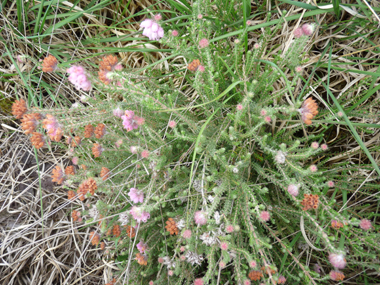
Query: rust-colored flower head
[336, 224]
[104, 173]
[49, 64]
[108, 64]
[58, 175]
[308, 110]
[82, 190]
[131, 232]
[193, 66]
[19, 108]
[255, 275]
[102, 245]
[29, 122]
[116, 230]
[76, 141]
[70, 194]
[90, 185]
[171, 226]
[53, 128]
[94, 238]
[88, 131]
[84, 167]
[310, 201]
[70, 170]
[100, 218]
[100, 131]
[97, 150]
[74, 215]
[109, 231]
[142, 259]
[37, 140]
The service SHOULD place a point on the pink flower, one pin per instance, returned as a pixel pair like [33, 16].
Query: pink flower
[152, 29]
[75, 160]
[142, 247]
[337, 260]
[187, 234]
[365, 224]
[324, 147]
[145, 154]
[151, 282]
[256, 46]
[222, 264]
[136, 195]
[160, 260]
[247, 282]
[229, 229]
[133, 149]
[117, 112]
[139, 215]
[298, 69]
[281, 280]
[263, 112]
[203, 43]
[336, 275]
[174, 33]
[340, 114]
[131, 121]
[200, 16]
[200, 218]
[267, 119]
[314, 145]
[308, 29]
[172, 124]
[223, 245]
[170, 272]
[317, 268]
[252, 263]
[118, 143]
[239, 107]
[265, 216]
[198, 281]
[201, 68]
[182, 257]
[313, 168]
[78, 77]
[330, 184]
[182, 248]
[293, 190]
[248, 22]
[298, 33]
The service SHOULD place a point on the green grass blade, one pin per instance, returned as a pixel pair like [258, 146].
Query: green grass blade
[336, 7]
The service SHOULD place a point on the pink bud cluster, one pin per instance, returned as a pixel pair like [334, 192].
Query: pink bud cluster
[200, 218]
[139, 214]
[152, 29]
[136, 195]
[305, 30]
[131, 121]
[77, 76]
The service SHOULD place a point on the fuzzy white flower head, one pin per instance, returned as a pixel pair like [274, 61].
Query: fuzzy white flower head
[217, 217]
[93, 212]
[124, 218]
[181, 224]
[280, 157]
[152, 29]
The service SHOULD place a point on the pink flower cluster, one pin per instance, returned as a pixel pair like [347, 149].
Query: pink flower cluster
[152, 29]
[131, 121]
[200, 218]
[337, 260]
[78, 77]
[142, 247]
[365, 224]
[305, 30]
[187, 234]
[136, 195]
[293, 190]
[265, 216]
[139, 214]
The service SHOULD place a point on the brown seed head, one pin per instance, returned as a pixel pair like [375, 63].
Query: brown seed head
[100, 131]
[88, 131]
[29, 122]
[104, 173]
[76, 141]
[70, 170]
[49, 64]
[19, 108]
[70, 194]
[310, 201]
[57, 175]
[142, 259]
[308, 110]
[255, 275]
[94, 238]
[171, 226]
[116, 230]
[97, 150]
[131, 232]
[37, 140]
[193, 66]
[102, 245]
[74, 215]
[336, 224]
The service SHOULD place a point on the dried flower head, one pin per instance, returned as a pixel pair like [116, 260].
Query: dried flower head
[116, 230]
[100, 131]
[29, 122]
[255, 275]
[52, 127]
[308, 110]
[336, 224]
[58, 175]
[94, 238]
[310, 201]
[70, 170]
[171, 227]
[70, 195]
[142, 259]
[19, 108]
[193, 66]
[104, 173]
[102, 245]
[88, 131]
[365, 224]
[76, 141]
[336, 275]
[74, 215]
[131, 232]
[337, 260]
[49, 64]
[37, 140]
[97, 150]
[268, 269]
[108, 64]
